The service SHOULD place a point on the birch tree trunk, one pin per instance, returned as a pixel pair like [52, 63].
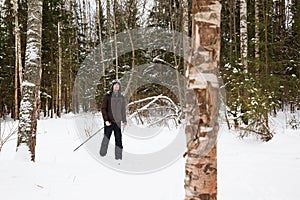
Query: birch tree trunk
[202, 101]
[244, 34]
[29, 108]
[256, 10]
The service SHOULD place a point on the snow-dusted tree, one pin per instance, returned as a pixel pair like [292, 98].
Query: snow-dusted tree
[29, 108]
[203, 101]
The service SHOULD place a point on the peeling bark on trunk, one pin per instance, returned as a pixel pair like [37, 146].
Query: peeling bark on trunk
[203, 101]
[29, 109]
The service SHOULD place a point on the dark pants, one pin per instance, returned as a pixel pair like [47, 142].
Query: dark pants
[116, 127]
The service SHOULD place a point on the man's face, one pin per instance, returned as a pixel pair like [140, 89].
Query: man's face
[116, 87]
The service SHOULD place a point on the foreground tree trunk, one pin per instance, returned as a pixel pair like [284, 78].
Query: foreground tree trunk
[203, 101]
[29, 108]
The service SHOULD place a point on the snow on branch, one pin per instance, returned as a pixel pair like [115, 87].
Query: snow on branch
[28, 84]
[154, 111]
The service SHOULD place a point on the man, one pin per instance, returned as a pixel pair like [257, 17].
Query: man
[113, 113]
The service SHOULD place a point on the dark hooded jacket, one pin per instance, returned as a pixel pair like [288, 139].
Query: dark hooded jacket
[113, 105]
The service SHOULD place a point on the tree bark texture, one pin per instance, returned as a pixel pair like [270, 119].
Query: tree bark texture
[203, 101]
[29, 108]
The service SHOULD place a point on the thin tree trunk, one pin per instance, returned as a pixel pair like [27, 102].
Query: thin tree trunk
[115, 40]
[20, 67]
[52, 101]
[256, 10]
[69, 9]
[235, 29]
[53, 76]
[202, 102]
[18, 59]
[84, 18]
[176, 62]
[108, 15]
[98, 4]
[29, 109]
[266, 11]
[244, 34]
[231, 39]
[126, 22]
[70, 82]
[108, 25]
[127, 12]
[59, 103]
[185, 18]
[90, 27]
[17, 37]
[266, 57]
[75, 102]
[283, 14]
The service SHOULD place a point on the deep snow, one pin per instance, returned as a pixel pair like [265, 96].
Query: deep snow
[247, 169]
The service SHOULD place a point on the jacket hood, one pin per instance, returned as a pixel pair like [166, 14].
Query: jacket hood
[113, 83]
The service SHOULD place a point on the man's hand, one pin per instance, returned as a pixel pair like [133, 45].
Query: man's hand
[107, 123]
[123, 126]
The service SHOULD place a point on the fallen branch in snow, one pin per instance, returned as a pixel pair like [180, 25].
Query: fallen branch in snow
[265, 136]
[6, 136]
[172, 116]
[155, 98]
[155, 110]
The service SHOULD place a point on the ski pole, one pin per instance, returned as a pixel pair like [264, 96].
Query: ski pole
[88, 138]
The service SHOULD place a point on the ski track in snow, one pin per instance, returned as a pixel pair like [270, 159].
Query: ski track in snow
[247, 169]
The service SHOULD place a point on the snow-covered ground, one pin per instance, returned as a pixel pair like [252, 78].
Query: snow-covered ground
[247, 169]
